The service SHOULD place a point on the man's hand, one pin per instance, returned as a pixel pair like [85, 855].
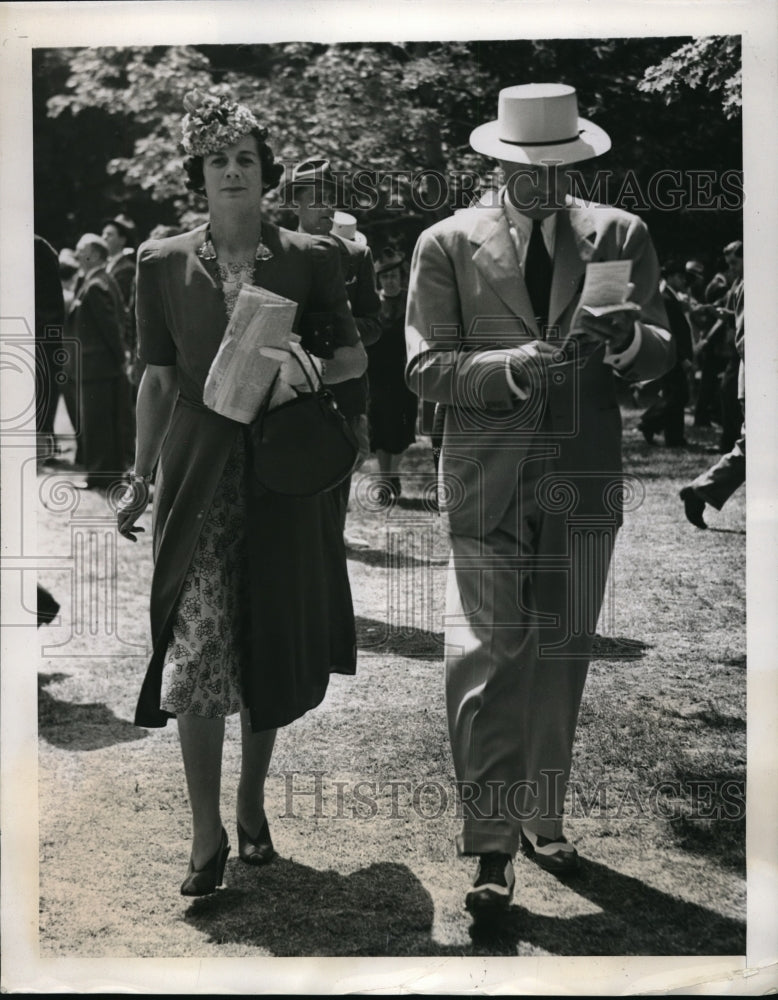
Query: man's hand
[614, 329]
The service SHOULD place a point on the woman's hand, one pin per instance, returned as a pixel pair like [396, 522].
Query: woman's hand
[131, 506]
[295, 362]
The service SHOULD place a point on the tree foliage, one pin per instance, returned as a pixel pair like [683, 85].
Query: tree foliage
[712, 63]
[107, 121]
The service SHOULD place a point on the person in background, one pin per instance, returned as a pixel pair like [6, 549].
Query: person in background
[713, 350]
[531, 448]
[70, 275]
[96, 320]
[731, 412]
[666, 414]
[392, 407]
[717, 484]
[312, 193]
[49, 320]
[119, 235]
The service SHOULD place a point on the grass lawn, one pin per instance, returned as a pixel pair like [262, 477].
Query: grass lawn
[367, 865]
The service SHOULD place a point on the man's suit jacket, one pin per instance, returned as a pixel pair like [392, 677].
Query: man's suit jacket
[468, 302]
[122, 270]
[678, 325]
[96, 319]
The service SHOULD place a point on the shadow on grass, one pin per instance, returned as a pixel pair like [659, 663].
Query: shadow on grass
[634, 919]
[374, 636]
[716, 826]
[397, 560]
[291, 910]
[611, 647]
[80, 727]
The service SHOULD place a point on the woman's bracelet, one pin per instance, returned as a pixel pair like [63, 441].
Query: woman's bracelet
[136, 478]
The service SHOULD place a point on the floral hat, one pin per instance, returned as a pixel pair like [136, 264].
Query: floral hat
[213, 121]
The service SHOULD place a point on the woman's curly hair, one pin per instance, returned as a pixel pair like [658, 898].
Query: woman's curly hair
[272, 172]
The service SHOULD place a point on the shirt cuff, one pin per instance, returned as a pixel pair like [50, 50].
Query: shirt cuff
[515, 389]
[624, 358]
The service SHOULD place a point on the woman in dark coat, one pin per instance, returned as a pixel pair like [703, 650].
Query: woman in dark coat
[392, 407]
[250, 602]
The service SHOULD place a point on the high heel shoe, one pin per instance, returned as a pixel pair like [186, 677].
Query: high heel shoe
[255, 852]
[203, 881]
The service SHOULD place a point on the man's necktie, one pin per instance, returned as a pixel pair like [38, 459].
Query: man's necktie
[538, 270]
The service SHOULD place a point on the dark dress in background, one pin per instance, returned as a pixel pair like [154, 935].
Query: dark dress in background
[392, 406]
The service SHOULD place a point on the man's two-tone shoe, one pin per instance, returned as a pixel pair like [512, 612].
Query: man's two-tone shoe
[493, 886]
[556, 856]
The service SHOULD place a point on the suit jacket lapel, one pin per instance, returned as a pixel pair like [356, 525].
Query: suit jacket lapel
[573, 248]
[495, 258]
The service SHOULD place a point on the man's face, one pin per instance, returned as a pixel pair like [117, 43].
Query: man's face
[317, 207]
[677, 282]
[734, 266]
[85, 255]
[114, 239]
[536, 191]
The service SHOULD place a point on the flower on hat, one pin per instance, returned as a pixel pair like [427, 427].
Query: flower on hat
[213, 121]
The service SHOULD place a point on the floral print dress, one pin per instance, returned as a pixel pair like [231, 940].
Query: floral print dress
[211, 630]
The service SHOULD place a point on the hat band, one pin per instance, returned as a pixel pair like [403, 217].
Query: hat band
[548, 142]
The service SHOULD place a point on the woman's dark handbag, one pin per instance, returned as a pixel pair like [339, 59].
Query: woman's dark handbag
[302, 447]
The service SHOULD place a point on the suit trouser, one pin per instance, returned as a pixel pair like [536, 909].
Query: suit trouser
[717, 484]
[666, 414]
[521, 612]
[103, 429]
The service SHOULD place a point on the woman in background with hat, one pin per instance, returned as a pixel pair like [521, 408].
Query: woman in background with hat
[250, 602]
[392, 407]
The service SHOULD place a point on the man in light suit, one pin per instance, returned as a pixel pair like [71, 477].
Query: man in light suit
[530, 468]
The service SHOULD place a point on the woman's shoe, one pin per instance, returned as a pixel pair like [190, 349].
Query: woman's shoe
[255, 852]
[203, 881]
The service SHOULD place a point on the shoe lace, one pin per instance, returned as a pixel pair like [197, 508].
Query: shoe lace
[492, 869]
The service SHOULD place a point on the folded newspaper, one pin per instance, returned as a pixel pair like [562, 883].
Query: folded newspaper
[240, 376]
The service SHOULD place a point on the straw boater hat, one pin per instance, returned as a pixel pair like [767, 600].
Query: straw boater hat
[537, 123]
[345, 226]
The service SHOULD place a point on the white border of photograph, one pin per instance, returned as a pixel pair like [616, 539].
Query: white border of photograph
[27, 25]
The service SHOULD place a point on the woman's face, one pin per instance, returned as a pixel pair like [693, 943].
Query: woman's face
[390, 282]
[234, 175]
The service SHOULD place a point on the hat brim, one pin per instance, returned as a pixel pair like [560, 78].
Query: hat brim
[359, 238]
[591, 141]
[389, 265]
[318, 182]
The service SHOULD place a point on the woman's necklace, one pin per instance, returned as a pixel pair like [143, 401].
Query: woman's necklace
[233, 274]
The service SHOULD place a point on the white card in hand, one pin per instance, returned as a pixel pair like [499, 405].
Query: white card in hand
[606, 283]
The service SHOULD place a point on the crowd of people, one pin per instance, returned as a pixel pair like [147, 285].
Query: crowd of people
[251, 606]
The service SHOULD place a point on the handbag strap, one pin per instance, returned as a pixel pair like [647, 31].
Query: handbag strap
[266, 404]
[312, 387]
